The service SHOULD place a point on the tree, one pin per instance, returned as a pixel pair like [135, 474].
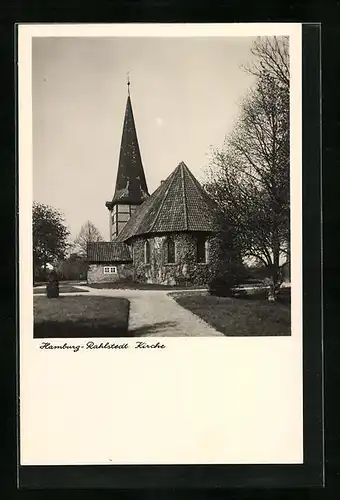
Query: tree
[88, 234]
[226, 267]
[73, 268]
[50, 236]
[271, 57]
[249, 176]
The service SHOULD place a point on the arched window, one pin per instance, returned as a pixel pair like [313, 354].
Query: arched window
[147, 252]
[171, 251]
[201, 252]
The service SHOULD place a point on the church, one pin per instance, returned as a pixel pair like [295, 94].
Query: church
[165, 238]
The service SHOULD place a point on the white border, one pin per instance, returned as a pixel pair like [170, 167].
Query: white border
[181, 408]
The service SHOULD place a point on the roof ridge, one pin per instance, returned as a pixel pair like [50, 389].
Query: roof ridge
[163, 201]
[184, 197]
[199, 188]
[205, 197]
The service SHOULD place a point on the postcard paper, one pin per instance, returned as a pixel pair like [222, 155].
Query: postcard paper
[160, 244]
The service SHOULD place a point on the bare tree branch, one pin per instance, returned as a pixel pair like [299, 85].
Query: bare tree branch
[249, 176]
[88, 234]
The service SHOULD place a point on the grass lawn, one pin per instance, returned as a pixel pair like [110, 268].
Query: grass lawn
[240, 316]
[142, 286]
[62, 289]
[80, 316]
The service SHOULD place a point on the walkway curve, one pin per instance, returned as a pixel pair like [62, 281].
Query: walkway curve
[154, 313]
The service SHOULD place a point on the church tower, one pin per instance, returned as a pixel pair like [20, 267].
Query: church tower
[131, 189]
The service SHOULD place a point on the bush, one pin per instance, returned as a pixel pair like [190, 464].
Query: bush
[218, 287]
[227, 269]
[223, 283]
[52, 287]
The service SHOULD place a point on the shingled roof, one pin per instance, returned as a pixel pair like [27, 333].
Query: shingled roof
[131, 183]
[179, 204]
[108, 251]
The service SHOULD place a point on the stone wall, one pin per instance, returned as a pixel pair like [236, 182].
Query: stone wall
[96, 274]
[186, 271]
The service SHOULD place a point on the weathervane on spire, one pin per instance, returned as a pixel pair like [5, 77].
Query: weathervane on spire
[128, 81]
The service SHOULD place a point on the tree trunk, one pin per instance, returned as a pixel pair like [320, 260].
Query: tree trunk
[275, 281]
[274, 289]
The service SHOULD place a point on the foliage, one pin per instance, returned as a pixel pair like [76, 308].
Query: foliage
[88, 234]
[226, 267]
[73, 268]
[249, 176]
[52, 288]
[186, 271]
[50, 236]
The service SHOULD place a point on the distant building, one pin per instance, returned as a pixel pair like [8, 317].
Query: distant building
[165, 238]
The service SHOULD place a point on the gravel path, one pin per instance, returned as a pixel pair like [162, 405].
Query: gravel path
[153, 313]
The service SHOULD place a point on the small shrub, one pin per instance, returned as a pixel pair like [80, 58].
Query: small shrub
[220, 287]
[227, 269]
[52, 287]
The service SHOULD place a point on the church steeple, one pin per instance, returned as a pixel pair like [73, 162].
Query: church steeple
[128, 84]
[131, 188]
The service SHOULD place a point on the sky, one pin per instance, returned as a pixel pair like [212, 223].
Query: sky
[185, 94]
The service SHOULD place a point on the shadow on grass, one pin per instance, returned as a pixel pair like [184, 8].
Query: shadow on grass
[80, 316]
[153, 328]
[78, 329]
[283, 297]
[71, 329]
[53, 299]
[42, 291]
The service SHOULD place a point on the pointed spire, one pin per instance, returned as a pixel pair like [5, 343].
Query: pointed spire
[128, 82]
[131, 187]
